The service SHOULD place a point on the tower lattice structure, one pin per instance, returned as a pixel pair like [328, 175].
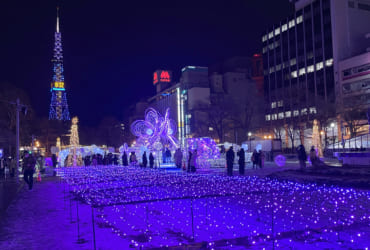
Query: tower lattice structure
[58, 105]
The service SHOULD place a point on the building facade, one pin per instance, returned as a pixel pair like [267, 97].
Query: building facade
[302, 54]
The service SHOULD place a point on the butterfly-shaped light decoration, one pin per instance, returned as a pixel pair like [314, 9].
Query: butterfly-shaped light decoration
[155, 129]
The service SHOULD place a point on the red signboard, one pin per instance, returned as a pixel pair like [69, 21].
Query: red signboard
[161, 76]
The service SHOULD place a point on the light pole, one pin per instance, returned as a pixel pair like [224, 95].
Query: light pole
[332, 127]
[250, 142]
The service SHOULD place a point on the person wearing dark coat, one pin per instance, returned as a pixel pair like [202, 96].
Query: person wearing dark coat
[54, 160]
[124, 159]
[230, 161]
[241, 161]
[145, 160]
[302, 156]
[151, 160]
[189, 159]
[29, 163]
[254, 159]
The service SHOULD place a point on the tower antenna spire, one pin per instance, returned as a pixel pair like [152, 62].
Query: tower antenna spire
[57, 19]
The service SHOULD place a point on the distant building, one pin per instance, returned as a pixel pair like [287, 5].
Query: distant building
[301, 55]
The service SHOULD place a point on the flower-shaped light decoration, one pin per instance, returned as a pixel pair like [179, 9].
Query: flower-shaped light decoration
[155, 129]
[206, 148]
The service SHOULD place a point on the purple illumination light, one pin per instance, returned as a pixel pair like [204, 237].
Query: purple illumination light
[155, 129]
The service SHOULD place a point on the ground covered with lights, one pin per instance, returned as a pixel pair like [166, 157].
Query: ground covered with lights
[149, 208]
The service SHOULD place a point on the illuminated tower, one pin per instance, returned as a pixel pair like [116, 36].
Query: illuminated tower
[58, 105]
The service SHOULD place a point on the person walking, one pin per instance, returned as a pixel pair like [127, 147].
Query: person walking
[241, 161]
[145, 160]
[151, 160]
[29, 163]
[230, 161]
[302, 156]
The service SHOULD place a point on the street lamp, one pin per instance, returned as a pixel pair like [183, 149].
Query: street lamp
[332, 127]
[250, 142]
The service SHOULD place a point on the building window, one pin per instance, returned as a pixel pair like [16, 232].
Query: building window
[310, 69]
[313, 110]
[271, 34]
[304, 111]
[280, 103]
[288, 114]
[302, 71]
[284, 27]
[274, 117]
[268, 117]
[293, 61]
[319, 66]
[281, 115]
[329, 62]
[210, 129]
[363, 6]
[264, 38]
[299, 19]
[294, 74]
[264, 50]
[273, 105]
[291, 24]
[277, 31]
[295, 113]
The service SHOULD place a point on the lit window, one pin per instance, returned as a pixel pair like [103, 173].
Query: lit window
[299, 19]
[329, 62]
[271, 34]
[210, 129]
[294, 74]
[274, 117]
[281, 115]
[272, 70]
[291, 24]
[273, 105]
[295, 113]
[264, 38]
[293, 62]
[280, 103]
[304, 111]
[277, 31]
[310, 69]
[284, 27]
[264, 50]
[302, 71]
[278, 67]
[268, 117]
[319, 66]
[288, 114]
[313, 110]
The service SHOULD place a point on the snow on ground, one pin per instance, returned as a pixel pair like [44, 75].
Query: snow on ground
[150, 208]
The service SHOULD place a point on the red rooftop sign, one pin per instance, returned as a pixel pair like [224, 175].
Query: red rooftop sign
[161, 76]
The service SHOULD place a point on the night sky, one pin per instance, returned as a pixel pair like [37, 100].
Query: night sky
[111, 48]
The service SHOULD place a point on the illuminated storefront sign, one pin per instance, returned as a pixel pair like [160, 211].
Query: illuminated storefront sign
[161, 76]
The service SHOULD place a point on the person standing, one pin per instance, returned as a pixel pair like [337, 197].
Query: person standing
[230, 161]
[145, 160]
[193, 161]
[302, 156]
[241, 161]
[151, 160]
[189, 161]
[254, 159]
[261, 158]
[29, 163]
[178, 158]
